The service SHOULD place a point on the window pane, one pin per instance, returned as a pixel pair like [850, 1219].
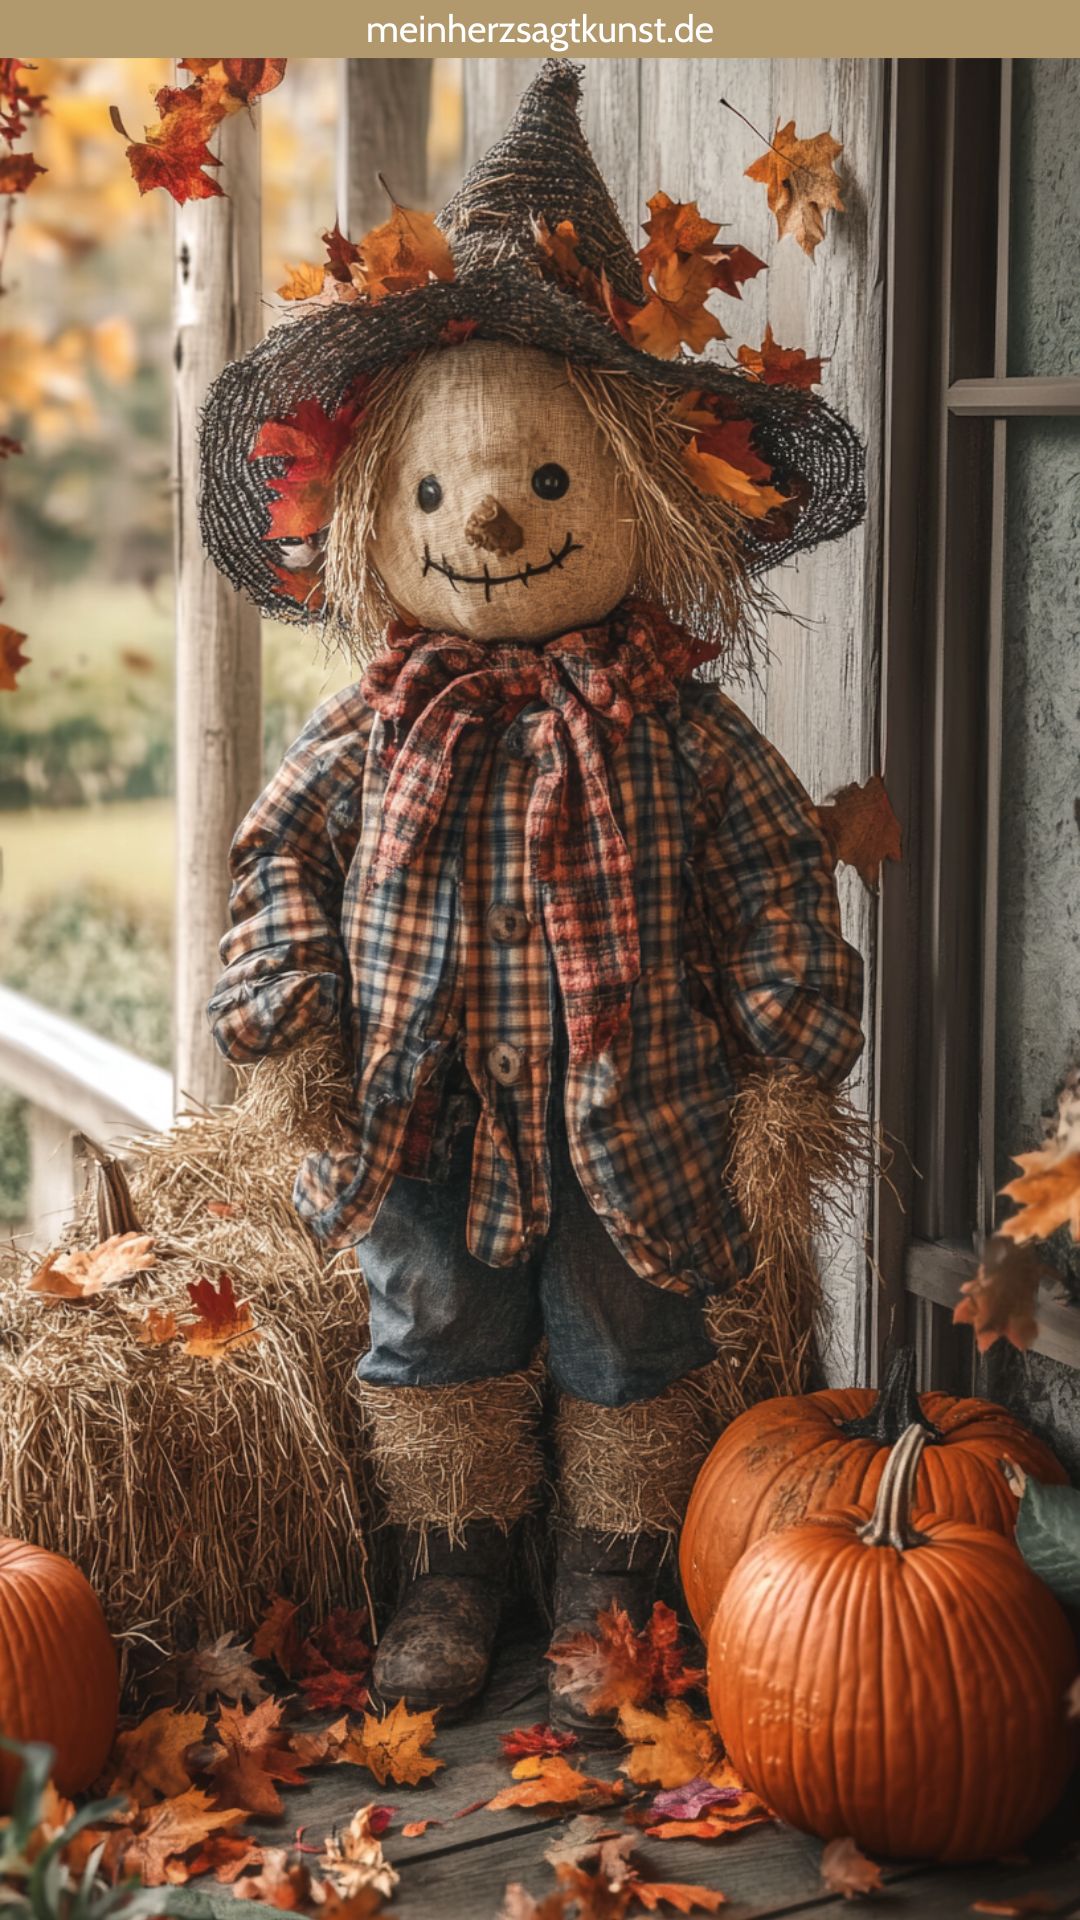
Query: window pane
[1044, 312]
[1039, 927]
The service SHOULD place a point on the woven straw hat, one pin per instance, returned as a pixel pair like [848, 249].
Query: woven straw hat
[542, 168]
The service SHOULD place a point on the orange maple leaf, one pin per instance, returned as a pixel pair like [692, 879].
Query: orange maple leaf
[779, 366]
[157, 1328]
[150, 1758]
[172, 1828]
[305, 282]
[620, 1666]
[253, 1752]
[999, 1301]
[715, 475]
[861, 827]
[241, 80]
[224, 1323]
[548, 1780]
[675, 226]
[801, 183]
[393, 1748]
[406, 251]
[173, 154]
[284, 1883]
[845, 1870]
[675, 313]
[82, 1275]
[1047, 1193]
[226, 1856]
[12, 657]
[559, 246]
[669, 1748]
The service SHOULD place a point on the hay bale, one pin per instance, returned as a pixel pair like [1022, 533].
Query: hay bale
[190, 1491]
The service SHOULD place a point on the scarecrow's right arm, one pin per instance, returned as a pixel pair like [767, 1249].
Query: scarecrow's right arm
[286, 972]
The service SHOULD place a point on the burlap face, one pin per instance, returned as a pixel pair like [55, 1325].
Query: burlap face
[475, 532]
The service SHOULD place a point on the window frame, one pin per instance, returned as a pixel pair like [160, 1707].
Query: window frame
[949, 400]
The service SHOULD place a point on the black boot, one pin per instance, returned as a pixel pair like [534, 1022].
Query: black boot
[595, 1571]
[437, 1650]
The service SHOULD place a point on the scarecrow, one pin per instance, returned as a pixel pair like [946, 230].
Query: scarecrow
[535, 880]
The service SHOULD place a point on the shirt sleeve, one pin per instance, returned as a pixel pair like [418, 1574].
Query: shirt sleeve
[791, 983]
[286, 968]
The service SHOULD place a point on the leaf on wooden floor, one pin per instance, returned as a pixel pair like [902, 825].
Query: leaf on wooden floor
[695, 1797]
[393, 1748]
[550, 1781]
[522, 1741]
[277, 1637]
[173, 1828]
[416, 1829]
[1017, 1905]
[847, 1871]
[671, 1748]
[221, 1666]
[621, 1666]
[355, 1861]
[149, 1759]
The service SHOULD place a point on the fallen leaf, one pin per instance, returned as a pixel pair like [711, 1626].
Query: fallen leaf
[18, 171]
[619, 1666]
[221, 1666]
[253, 1752]
[518, 1904]
[223, 1325]
[801, 184]
[522, 1741]
[581, 1838]
[277, 1637]
[416, 1829]
[861, 827]
[172, 1828]
[393, 1748]
[356, 1861]
[692, 1799]
[671, 1748]
[81, 1276]
[284, 1883]
[474, 1806]
[999, 1301]
[550, 1781]
[156, 1329]
[226, 1856]
[780, 366]
[653, 1894]
[845, 1870]
[1047, 1193]
[149, 1759]
[1017, 1904]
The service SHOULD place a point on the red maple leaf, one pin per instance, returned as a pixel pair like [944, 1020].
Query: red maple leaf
[523, 1741]
[312, 442]
[779, 366]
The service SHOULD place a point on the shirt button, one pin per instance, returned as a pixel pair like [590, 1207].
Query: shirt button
[507, 925]
[505, 1062]
[514, 741]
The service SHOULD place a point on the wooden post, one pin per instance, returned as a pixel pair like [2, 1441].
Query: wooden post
[382, 129]
[217, 316]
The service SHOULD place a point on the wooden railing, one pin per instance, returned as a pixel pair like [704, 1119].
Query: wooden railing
[76, 1086]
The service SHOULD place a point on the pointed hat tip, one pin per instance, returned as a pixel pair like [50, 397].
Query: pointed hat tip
[559, 76]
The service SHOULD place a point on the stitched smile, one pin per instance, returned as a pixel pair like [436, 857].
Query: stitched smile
[487, 579]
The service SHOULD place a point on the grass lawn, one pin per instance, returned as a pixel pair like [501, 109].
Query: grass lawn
[126, 847]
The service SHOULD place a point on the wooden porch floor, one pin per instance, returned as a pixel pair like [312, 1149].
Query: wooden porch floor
[459, 1870]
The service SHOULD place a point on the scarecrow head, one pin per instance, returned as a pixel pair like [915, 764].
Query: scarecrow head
[487, 425]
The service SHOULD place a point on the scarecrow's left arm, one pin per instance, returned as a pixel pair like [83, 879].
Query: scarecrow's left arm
[791, 984]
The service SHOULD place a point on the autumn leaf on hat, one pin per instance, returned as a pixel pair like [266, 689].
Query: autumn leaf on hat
[312, 442]
[406, 251]
[305, 282]
[778, 366]
[801, 183]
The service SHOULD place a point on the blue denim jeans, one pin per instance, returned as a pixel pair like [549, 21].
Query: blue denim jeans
[439, 1316]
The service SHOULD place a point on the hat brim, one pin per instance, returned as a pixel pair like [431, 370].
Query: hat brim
[815, 455]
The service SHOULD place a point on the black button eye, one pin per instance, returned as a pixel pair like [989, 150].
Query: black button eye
[428, 494]
[551, 481]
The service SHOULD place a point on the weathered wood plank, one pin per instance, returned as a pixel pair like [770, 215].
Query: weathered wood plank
[217, 316]
[383, 128]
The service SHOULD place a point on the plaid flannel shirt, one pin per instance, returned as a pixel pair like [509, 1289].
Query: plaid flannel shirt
[446, 995]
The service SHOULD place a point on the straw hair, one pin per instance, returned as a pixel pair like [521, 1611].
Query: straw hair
[798, 1147]
[691, 560]
[442, 1457]
[630, 1470]
[190, 1492]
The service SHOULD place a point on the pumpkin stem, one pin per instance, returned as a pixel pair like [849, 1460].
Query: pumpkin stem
[890, 1523]
[896, 1408]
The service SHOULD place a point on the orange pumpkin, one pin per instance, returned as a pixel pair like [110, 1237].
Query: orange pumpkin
[903, 1687]
[823, 1452]
[58, 1672]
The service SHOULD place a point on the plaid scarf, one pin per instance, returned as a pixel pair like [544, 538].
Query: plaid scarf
[430, 689]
